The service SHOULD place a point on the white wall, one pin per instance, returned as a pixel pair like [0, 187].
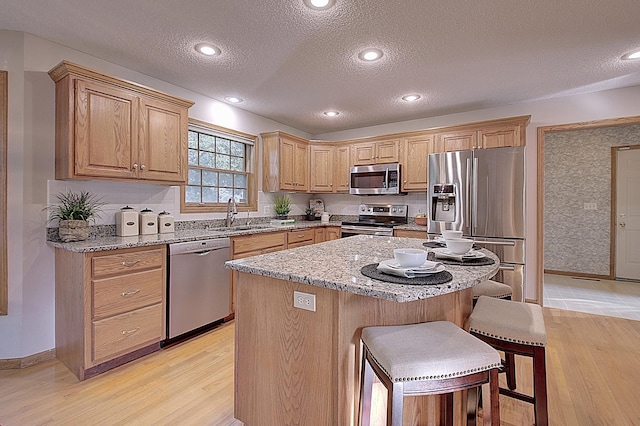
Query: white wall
[29, 327]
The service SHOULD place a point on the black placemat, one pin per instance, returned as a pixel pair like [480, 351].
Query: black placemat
[371, 271]
[483, 261]
[438, 244]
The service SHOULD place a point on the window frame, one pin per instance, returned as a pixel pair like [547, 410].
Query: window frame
[251, 166]
[4, 123]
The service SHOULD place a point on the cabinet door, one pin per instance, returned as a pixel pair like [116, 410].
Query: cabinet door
[321, 168]
[415, 162]
[301, 166]
[456, 141]
[332, 233]
[287, 161]
[364, 154]
[388, 151]
[163, 142]
[106, 131]
[319, 235]
[497, 137]
[342, 164]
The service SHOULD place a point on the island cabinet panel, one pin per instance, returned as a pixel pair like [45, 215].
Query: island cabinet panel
[108, 128]
[109, 307]
[295, 366]
[409, 233]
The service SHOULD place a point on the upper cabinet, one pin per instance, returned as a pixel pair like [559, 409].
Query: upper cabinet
[456, 141]
[285, 162]
[376, 152]
[488, 134]
[499, 136]
[329, 168]
[108, 128]
[415, 155]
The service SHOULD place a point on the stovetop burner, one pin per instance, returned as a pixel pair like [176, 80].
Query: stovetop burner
[381, 215]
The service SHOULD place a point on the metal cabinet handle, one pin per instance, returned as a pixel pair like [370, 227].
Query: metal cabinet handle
[142, 167]
[129, 293]
[622, 224]
[130, 264]
[127, 332]
[135, 166]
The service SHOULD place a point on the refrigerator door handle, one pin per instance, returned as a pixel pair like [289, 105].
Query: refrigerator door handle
[474, 222]
[496, 243]
[467, 194]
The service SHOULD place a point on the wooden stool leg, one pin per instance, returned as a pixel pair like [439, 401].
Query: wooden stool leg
[366, 391]
[540, 386]
[472, 406]
[510, 369]
[491, 401]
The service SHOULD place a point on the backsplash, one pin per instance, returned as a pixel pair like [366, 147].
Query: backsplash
[577, 171]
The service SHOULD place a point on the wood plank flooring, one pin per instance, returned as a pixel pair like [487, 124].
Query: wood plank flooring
[593, 372]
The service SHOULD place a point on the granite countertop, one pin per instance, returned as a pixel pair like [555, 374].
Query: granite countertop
[114, 243]
[336, 265]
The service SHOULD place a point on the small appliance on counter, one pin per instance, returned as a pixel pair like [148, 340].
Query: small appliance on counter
[317, 205]
[127, 222]
[165, 223]
[148, 222]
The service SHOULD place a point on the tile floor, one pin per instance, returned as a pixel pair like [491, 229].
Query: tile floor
[611, 298]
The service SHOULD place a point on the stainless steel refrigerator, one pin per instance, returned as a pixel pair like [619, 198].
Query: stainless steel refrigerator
[481, 193]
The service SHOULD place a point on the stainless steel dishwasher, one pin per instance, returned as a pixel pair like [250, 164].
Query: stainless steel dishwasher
[198, 286]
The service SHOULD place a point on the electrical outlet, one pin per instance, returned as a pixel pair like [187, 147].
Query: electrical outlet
[304, 301]
[267, 209]
[591, 206]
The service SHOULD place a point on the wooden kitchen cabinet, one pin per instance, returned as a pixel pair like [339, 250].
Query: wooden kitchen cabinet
[321, 168]
[110, 307]
[341, 169]
[456, 141]
[410, 233]
[319, 234]
[414, 171]
[331, 233]
[376, 152]
[300, 237]
[500, 136]
[285, 162]
[108, 128]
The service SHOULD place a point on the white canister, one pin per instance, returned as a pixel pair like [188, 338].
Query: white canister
[165, 223]
[325, 217]
[127, 222]
[148, 222]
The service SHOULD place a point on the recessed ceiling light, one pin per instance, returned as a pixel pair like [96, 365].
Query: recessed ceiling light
[233, 99]
[331, 113]
[370, 55]
[319, 4]
[410, 98]
[207, 49]
[632, 55]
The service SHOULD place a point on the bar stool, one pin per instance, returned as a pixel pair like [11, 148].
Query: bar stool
[516, 328]
[492, 289]
[426, 359]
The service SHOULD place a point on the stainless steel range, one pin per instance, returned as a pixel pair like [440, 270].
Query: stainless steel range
[376, 219]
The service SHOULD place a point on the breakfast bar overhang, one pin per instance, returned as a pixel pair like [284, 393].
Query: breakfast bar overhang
[296, 366]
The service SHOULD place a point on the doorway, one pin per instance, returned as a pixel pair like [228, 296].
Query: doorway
[626, 219]
[574, 260]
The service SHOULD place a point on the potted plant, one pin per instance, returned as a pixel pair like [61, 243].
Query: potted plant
[311, 214]
[282, 206]
[73, 211]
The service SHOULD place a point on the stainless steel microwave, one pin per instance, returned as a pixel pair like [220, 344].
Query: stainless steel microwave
[378, 179]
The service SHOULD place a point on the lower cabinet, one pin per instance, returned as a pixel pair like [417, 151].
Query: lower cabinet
[301, 237]
[407, 233]
[331, 233]
[110, 307]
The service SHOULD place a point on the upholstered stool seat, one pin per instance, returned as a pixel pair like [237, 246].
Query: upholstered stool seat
[492, 289]
[516, 328]
[423, 359]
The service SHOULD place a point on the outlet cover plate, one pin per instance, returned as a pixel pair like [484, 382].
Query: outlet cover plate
[304, 301]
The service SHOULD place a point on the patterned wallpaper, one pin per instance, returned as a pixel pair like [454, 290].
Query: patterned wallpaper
[577, 171]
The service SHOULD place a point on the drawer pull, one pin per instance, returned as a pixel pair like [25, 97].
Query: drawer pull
[300, 235]
[129, 293]
[130, 264]
[127, 332]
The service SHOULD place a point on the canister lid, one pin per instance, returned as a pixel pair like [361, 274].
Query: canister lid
[162, 213]
[127, 208]
[146, 211]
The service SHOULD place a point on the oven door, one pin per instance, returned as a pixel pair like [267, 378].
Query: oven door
[350, 230]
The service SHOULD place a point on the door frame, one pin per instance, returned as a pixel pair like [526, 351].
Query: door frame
[542, 131]
[614, 202]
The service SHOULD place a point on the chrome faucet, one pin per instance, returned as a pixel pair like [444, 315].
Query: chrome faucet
[232, 211]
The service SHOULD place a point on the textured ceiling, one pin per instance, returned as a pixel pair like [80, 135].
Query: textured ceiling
[290, 63]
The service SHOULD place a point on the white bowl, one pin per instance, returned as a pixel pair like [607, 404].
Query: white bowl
[459, 245]
[448, 234]
[409, 257]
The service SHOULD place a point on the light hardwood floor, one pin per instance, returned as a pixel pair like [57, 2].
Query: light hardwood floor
[593, 372]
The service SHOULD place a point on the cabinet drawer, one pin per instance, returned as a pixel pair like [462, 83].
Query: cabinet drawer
[126, 262]
[124, 293]
[256, 243]
[126, 332]
[294, 238]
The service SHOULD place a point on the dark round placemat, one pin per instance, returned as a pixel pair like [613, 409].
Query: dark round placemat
[371, 271]
[483, 261]
[438, 244]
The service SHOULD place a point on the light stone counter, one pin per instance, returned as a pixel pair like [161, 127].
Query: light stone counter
[336, 265]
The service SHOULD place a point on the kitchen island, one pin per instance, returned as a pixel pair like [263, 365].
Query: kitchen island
[298, 366]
